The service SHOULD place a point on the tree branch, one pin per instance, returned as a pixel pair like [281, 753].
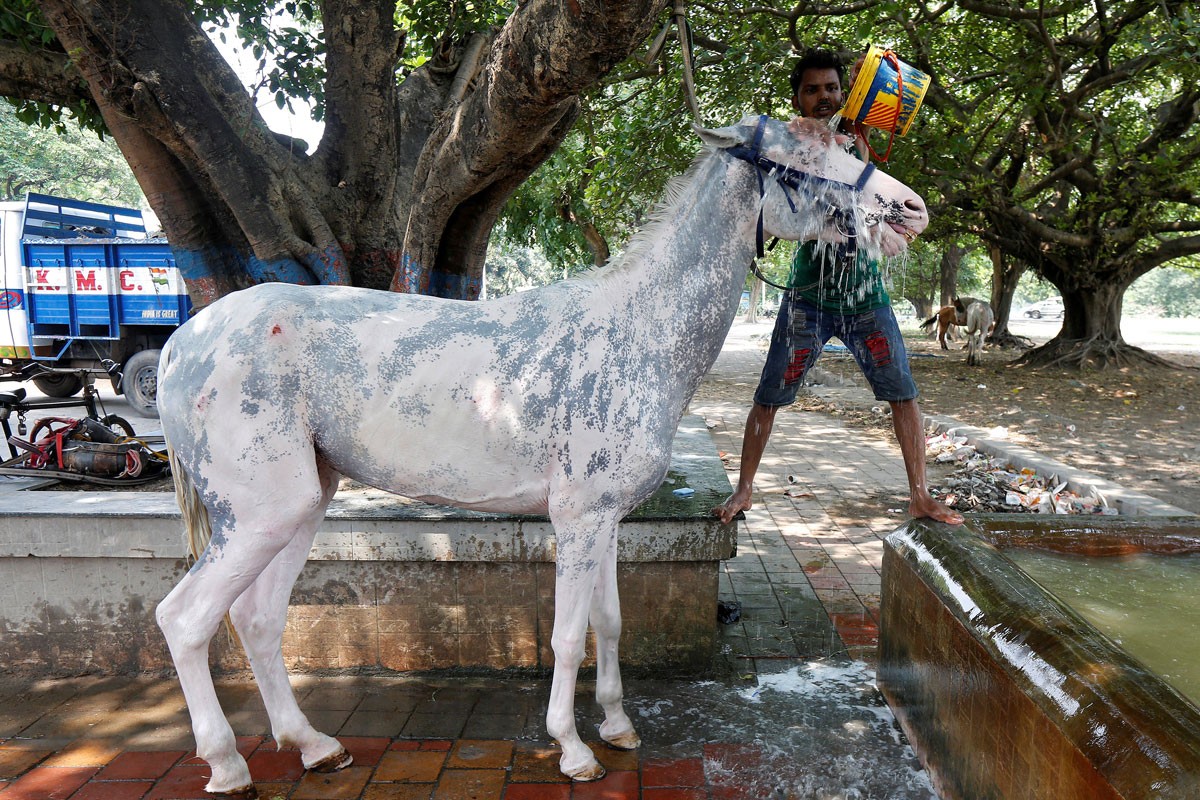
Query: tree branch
[40, 75]
[543, 57]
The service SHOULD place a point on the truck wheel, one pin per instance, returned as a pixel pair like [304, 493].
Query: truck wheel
[139, 382]
[58, 384]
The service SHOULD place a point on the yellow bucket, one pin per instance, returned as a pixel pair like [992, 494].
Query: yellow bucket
[886, 93]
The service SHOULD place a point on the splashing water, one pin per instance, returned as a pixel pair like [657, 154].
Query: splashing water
[838, 274]
[815, 730]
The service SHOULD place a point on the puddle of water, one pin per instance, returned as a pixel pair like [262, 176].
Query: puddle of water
[812, 730]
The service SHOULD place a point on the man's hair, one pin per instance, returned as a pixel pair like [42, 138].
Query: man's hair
[815, 58]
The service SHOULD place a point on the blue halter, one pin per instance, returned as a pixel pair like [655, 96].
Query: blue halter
[791, 179]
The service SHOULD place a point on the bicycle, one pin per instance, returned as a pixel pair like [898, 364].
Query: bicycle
[15, 402]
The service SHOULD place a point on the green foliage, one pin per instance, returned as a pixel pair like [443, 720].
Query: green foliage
[1020, 93]
[1167, 292]
[1020, 100]
[67, 160]
[1031, 288]
[287, 38]
[21, 20]
[635, 133]
[514, 268]
[428, 24]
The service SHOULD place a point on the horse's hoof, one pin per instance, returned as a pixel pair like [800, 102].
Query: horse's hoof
[624, 741]
[593, 772]
[244, 793]
[333, 763]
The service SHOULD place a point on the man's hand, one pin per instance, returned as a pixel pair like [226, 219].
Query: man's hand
[854, 69]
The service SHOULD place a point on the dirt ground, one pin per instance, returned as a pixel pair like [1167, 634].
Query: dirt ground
[1139, 428]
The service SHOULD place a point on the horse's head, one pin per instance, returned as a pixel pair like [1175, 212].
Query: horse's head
[814, 189]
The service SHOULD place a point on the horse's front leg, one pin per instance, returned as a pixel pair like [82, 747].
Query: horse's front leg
[617, 729]
[582, 542]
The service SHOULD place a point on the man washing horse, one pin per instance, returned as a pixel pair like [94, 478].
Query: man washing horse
[841, 295]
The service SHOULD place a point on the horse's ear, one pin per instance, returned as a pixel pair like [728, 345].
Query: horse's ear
[720, 137]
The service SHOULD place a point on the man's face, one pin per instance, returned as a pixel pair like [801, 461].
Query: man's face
[820, 93]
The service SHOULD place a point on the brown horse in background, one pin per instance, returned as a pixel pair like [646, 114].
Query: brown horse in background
[947, 318]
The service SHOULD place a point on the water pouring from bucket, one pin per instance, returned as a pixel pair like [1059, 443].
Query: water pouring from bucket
[886, 95]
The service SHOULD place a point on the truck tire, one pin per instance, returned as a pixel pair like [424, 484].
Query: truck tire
[58, 384]
[139, 382]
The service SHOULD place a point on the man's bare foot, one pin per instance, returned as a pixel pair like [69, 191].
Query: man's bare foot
[926, 506]
[738, 501]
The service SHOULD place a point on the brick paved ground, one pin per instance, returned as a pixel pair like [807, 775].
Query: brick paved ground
[383, 768]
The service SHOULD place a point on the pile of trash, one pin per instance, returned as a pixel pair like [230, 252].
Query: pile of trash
[984, 484]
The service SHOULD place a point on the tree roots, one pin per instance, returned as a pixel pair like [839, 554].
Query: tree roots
[1009, 341]
[1095, 353]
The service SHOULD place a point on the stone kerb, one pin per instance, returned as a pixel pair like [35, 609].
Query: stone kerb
[390, 584]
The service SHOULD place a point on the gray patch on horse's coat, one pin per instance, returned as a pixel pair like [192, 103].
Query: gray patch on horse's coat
[599, 462]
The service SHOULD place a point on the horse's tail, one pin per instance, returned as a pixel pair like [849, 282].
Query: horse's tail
[979, 321]
[927, 324]
[197, 529]
[975, 349]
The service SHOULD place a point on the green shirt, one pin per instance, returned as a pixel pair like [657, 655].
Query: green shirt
[830, 285]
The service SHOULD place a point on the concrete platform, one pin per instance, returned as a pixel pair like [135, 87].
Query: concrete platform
[390, 583]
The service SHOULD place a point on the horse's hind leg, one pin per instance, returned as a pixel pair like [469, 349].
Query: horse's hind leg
[617, 729]
[191, 614]
[188, 617]
[259, 616]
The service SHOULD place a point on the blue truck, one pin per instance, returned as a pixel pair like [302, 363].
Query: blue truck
[84, 287]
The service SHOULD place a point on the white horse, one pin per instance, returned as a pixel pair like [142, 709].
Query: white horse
[980, 321]
[567, 398]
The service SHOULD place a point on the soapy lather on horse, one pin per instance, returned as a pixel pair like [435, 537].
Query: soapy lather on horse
[567, 398]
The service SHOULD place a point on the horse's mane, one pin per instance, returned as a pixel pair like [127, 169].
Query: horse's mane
[673, 193]
[659, 216]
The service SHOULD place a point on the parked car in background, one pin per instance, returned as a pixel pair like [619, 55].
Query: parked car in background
[1050, 307]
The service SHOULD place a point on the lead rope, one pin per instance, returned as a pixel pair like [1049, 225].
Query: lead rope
[685, 45]
[683, 27]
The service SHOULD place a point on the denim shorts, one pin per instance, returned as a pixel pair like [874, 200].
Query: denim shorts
[801, 331]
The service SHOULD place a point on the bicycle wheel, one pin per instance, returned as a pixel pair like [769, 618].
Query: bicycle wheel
[118, 425]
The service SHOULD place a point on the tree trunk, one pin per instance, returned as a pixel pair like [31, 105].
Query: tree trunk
[597, 245]
[1090, 337]
[951, 261]
[407, 181]
[756, 291]
[923, 306]
[1006, 272]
